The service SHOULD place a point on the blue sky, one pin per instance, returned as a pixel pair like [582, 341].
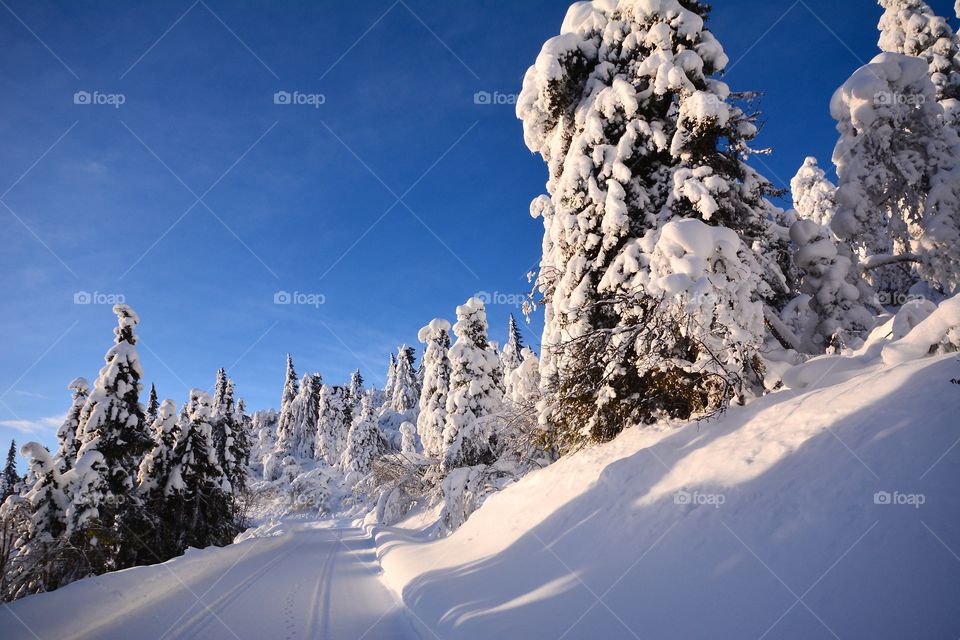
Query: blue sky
[198, 198]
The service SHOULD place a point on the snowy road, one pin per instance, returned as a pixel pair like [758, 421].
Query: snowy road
[310, 583]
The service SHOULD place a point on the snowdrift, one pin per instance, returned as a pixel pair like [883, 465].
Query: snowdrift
[826, 511]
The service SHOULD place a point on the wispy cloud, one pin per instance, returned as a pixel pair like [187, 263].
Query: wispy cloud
[28, 394]
[34, 426]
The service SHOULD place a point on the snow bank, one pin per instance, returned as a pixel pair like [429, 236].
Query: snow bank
[806, 514]
[942, 324]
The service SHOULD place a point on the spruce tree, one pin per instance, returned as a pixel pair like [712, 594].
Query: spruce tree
[153, 479]
[405, 388]
[364, 440]
[287, 421]
[391, 379]
[305, 416]
[10, 478]
[153, 404]
[474, 394]
[238, 449]
[356, 389]
[436, 384]
[112, 424]
[335, 415]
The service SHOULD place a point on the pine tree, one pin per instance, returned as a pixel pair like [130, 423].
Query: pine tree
[112, 424]
[645, 149]
[474, 393]
[436, 383]
[153, 404]
[512, 355]
[523, 382]
[153, 479]
[910, 27]
[814, 196]
[286, 424]
[408, 438]
[898, 199]
[238, 449]
[405, 389]
[305, 416]
[335, 415]
[202, 510]
[364, 441]
[10, 478]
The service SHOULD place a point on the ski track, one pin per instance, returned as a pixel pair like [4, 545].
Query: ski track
[312, 583]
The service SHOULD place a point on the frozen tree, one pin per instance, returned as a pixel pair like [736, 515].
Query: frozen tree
[474, 393]
[9, 479]
[153, 404]
[305, 416]
[436, 383]
[40, 563]
[67, 441]
[238, 449]
[814, 196]
[910, 27]
[333, 423]
[200, 506]
[510, 356]
[355, 391]
[405, 390]
[836, 294]
[155, 468]
[287, 421]
[391, 378]
[637, 133]
[364, 441]
[523, 382]
[408, 438]
[897, 199]
[112, 424]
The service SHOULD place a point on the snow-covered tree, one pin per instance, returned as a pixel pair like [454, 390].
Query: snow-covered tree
[436, 383]
[68, 444]
[333, 423]
[112, 424]
[286, 425]
[41, 563]
[523, 382]
[474, 393]
[155, 468]
[405, 389]
[9, 478]
[153, 404]
[364, 441]
[355, 391]
[832, 282]
[910, 27]
[305, 416]
[814, 196]
[897, 198]
[637, 134]
[408, 438]
[238, 448]
[510, 355]
[201, 509]
[391, 379]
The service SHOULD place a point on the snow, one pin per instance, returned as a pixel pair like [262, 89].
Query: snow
[942, 324]
[765, 523]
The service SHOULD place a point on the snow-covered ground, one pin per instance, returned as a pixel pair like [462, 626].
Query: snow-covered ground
[829, 511]
[825, 511]
[299, 581]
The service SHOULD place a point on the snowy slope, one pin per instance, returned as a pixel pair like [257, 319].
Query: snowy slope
[304, 582]
[764, 524]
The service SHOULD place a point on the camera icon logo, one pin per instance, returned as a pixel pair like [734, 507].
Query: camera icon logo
[682, 497]
[282, 297]
[482, 97]
[882, 497]
[81, 97]
[281, 97]
[82, 297]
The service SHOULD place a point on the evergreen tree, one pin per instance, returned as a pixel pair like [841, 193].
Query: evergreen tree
[391, 379]
[814, 196]
[153, 404]
[68, 444]
[405, 389]
[436, 383]
[910, 27]
[512, 355]
[112, 424]
[898, 198]
[408, 438]
[305, 416]
[153, 479]
[287, 421]
[201, 506]
[356, 389]
[335, 415]
[364, 441]
[474, 393]
[238, 449]
[10, 478]
[523, 383]
[626, 96]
